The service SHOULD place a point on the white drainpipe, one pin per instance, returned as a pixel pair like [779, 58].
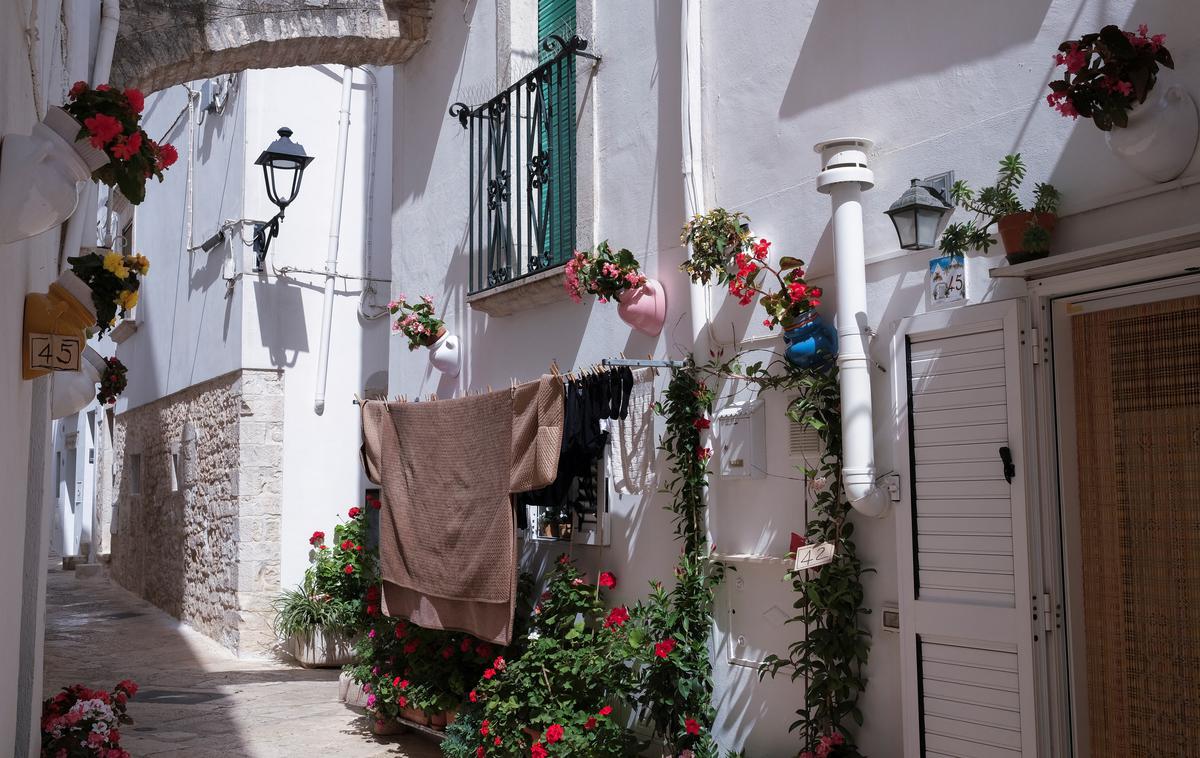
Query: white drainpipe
[85, 211]
[844, 175]
[335, 229]
[693, 161]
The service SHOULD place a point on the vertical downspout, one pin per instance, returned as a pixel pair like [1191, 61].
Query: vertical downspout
[693, 158]
[844, 175]
[335, 230]
[85, 211]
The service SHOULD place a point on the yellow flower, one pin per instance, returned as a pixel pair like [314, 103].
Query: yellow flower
[127, 299]
[115, 262]
[139, 263]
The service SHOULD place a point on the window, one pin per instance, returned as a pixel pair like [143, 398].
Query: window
[522, 174]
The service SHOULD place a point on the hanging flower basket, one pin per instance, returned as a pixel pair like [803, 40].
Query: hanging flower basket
[641, 302]
[40, 175]
[111, 121]
[114, 279]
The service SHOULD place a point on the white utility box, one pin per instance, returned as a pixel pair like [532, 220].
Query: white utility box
[742, 440]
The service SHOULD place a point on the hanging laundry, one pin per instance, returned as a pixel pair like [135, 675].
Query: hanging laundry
[591, 400]
[446, 470]
[633, 449]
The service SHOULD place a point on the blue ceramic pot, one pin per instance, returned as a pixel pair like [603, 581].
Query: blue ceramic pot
[811, 343]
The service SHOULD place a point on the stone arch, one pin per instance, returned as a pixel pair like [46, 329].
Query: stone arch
[166, 42]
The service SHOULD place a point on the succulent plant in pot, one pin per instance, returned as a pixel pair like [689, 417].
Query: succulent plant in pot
[1026, 233]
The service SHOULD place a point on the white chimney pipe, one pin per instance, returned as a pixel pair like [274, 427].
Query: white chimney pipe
[844, 175]
[335, 230]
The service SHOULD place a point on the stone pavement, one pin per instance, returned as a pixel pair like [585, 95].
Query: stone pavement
[195, 698]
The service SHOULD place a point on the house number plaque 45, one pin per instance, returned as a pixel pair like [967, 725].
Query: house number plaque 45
[54, 352]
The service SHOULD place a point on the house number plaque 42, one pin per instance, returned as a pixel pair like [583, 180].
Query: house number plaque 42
[811, 556]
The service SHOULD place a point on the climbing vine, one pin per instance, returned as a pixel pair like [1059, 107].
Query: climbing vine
[829, 603]
[676, 682]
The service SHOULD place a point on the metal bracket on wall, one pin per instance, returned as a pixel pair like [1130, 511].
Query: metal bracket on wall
[891, 482]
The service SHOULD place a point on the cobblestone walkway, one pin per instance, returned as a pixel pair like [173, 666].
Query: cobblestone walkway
[195, 698]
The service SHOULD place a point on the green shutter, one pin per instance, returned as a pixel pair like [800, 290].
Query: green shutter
[557, 17]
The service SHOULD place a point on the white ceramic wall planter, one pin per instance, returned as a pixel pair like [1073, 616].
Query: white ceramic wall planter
[40, 175]
[445, 355]
[72, 391]
[645, 308]
[1161, 137]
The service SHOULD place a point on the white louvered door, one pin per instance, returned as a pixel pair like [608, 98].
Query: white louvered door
[965, 602]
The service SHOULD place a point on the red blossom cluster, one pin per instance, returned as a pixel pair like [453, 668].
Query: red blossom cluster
[80, 721]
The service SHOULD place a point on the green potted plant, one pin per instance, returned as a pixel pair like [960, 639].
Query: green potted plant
[319, 620]
[1026, 233]
[558, 696]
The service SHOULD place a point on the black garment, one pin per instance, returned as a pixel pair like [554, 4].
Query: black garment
[588, 401]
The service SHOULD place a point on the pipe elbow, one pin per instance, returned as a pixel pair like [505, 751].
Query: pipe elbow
[863, 495]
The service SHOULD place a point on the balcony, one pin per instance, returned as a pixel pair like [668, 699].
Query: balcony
[522, 177]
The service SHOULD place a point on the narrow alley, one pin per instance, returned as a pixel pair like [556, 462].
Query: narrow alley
[196, 699]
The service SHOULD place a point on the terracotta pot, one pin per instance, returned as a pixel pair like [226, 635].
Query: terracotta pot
[644, 308]
[40, 175]
[65, 310]
[450, 716]
[1012, 232]
[1161, 136]
[437, 720]
[414, 715]
[386, 727]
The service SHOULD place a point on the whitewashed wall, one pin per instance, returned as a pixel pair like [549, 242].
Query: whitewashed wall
[206, 314]
[938, 86]
[35, 49]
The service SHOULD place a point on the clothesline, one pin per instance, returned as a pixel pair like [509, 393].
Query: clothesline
[615, 362]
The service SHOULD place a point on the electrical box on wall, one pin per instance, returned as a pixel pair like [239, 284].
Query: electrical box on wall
[742, 440]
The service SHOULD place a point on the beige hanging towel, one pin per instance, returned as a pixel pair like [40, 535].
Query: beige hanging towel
[631, 454]
[447, 546]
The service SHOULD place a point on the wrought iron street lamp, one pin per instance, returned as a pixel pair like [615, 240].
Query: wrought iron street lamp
[917, 215]
[283, 164]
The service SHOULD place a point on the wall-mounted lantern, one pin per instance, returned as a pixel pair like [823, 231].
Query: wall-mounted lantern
[283, 165]
[917, 214]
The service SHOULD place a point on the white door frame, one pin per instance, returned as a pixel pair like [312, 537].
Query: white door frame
[1060, 735]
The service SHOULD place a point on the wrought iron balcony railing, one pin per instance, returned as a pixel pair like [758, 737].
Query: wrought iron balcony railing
[522, 171]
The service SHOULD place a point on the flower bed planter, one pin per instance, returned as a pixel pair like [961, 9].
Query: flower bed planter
[644, 308]
[320, 649]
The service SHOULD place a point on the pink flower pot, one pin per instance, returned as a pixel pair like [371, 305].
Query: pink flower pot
[645, 308]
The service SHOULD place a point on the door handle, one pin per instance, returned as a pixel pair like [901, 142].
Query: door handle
[1009, 469]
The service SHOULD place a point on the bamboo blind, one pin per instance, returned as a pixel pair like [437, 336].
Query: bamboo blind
[1137, 401]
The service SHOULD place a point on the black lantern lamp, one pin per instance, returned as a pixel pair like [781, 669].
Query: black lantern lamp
[283, 164]
[917, 215]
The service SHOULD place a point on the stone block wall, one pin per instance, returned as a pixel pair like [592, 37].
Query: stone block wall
[198, 535]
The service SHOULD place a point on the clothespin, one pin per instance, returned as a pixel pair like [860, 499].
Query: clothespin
[489, 389]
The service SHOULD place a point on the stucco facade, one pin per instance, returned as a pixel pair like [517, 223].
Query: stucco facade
[936, 87]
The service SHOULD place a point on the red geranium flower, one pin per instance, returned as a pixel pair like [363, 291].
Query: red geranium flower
[479, 752]
[538, 751]
[606, 710]
[484, 728]
[663, 649]
[473, 697]
[499, 663]
[136, 100]
[102, 129]
[616, 617]
[354, 512]
[692, 726]
[411, 646]
[554, 733]
[704, 453]
[349, 569]
[77, 89]
[316, 537]
[167, 155]
[489, 673]
[607, 580]
[702, 423]
[590, 723]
